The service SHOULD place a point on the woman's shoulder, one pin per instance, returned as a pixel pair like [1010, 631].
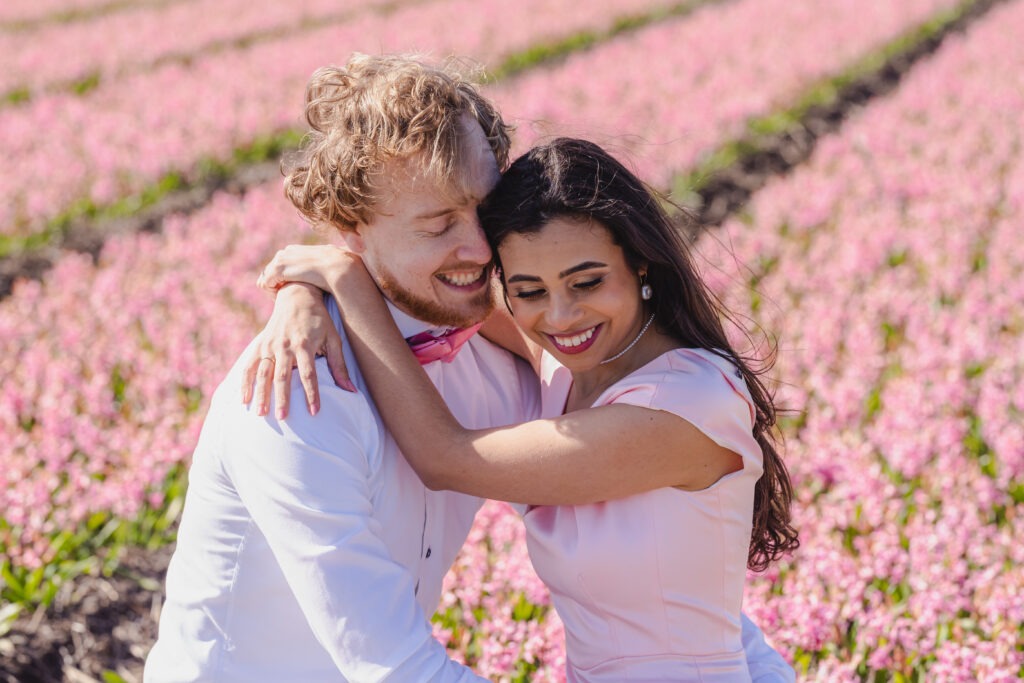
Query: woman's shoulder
[692, 379]
[684, 371]
[705, 389]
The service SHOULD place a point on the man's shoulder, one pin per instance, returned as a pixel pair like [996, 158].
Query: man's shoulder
[344, 417]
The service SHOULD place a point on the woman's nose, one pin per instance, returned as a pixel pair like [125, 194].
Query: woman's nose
[563, 314]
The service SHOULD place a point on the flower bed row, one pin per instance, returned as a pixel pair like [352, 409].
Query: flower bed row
[19, 11]
[892, 269]
[669, 111]
[125, 135]
[70, 53]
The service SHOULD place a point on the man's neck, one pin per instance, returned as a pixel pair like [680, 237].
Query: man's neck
[409, 324]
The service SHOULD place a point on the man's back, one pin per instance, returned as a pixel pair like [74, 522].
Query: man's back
[309, 550]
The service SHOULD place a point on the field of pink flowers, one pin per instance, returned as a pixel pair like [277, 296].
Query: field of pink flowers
[14, 12]
[52, 55]
[892, 269]
[678, 92]
[889, 267]
[127, 133]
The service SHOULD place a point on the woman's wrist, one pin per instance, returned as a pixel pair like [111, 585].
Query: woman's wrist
[349, 281]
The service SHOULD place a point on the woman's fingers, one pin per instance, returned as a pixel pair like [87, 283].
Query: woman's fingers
[298, 331]
[264, 379]
[283, 364]
[307, 375]
[249, 376]
[336, 362]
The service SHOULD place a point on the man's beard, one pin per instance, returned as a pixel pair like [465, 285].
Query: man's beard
[473, 311]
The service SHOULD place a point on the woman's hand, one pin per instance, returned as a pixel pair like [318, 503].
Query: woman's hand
[316, 265]
[298, 330]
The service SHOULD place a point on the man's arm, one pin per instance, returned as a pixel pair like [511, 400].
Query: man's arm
[765, 664]
[306, 484]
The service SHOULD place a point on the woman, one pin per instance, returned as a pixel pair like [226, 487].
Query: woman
[641, 390]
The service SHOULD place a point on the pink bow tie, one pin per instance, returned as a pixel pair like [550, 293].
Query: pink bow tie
[429, 348]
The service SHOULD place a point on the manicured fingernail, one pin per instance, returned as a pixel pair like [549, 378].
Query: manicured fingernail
[314, 409]
[348, 385]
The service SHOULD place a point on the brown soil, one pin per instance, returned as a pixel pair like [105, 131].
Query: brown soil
[95, 624]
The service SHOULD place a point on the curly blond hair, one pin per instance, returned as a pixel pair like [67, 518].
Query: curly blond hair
[378, 108]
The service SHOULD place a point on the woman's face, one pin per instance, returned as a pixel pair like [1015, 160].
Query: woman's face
[572, 292]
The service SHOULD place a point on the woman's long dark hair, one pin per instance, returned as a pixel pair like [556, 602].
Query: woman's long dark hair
[577, 179]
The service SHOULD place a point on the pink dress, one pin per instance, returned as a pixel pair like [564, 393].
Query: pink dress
[650, 587]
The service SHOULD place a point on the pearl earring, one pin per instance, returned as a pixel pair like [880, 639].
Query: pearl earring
[646, 291]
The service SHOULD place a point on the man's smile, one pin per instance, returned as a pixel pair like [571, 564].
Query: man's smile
[468, 279]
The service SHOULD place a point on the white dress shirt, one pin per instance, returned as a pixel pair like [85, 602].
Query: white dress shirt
[308, 549]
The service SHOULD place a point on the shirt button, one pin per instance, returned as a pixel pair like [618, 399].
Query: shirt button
[428, 553]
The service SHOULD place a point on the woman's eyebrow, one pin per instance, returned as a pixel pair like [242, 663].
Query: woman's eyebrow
[523, 278]
[586, 265]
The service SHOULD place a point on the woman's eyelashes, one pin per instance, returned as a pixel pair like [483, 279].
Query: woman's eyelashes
[584, 286]
[528, 294]
[589, 284]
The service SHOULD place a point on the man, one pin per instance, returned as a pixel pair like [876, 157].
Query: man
[308, 549]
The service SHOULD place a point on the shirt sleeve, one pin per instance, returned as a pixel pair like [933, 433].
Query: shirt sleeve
[765, 664]
[305, 481]
[704, 390]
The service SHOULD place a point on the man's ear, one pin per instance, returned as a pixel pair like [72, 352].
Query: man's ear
[354, 240]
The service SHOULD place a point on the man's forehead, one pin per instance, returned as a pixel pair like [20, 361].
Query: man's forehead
[413, 182]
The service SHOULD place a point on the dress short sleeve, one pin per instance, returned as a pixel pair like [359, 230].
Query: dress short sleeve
[702, 388]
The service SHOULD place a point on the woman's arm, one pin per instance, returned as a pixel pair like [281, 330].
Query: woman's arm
[585, 456]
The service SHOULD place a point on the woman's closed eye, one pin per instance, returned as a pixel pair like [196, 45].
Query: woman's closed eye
[528, 294]
[589, 284]
[584, 286]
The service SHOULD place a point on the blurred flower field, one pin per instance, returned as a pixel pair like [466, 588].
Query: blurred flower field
[888, 267]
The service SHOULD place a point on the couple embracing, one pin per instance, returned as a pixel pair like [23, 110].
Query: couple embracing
[313, 545]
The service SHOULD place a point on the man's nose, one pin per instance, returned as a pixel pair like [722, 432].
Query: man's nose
[473, 246]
